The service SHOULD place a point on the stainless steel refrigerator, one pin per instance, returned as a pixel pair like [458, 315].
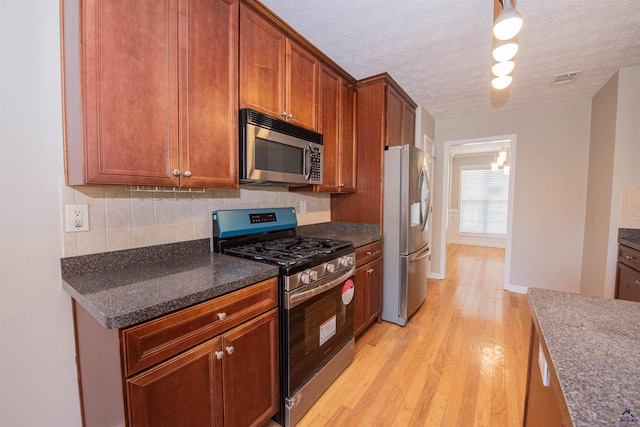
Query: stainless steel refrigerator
[405, 222]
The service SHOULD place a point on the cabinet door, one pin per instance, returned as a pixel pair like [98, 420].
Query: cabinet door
[183, 391]
[628, 286]
[208, 89]
[374, 303]
[262, 67]
[130, 95]
[251, 374]
[347, 154]
[330, 87]
[395, 109]
[301, 86]
[360, 298]
[408, 124]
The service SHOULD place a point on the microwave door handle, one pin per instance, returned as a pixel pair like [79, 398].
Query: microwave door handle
[306, 162]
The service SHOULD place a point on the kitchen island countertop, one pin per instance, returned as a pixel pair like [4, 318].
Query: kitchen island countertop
[594, 345]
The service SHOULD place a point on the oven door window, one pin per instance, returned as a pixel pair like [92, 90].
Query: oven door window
[317, 329]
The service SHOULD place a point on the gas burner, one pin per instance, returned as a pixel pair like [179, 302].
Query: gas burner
[288, 251]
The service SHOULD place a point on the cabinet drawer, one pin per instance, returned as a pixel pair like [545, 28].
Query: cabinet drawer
[366, 253]
[628, 283]
[154, 341]
[629, 256]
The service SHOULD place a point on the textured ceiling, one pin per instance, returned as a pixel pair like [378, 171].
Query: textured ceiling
[439, 51]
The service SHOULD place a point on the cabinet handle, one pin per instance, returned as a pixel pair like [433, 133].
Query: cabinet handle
[341, 185]
[629, 257]
[219, 354]
[186, 174]
[637, 282]
[222, 316]
[368, 252]
[230, 349]
[176, 172]
[370, 270]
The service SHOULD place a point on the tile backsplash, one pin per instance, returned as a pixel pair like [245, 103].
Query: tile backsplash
[123, 219]
[630, 209]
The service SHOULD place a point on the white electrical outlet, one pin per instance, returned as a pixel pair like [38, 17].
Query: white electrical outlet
[77, 218]
[303, 206]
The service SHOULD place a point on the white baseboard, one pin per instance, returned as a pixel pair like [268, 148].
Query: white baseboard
[491, 242]
[436, 276]
[518, 289]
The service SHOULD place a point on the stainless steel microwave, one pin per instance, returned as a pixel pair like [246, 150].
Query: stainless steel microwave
[276, 152]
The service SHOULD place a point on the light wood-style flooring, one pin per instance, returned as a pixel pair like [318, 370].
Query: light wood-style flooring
[460, 361]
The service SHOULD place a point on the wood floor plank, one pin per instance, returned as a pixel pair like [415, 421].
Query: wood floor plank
[460, 361]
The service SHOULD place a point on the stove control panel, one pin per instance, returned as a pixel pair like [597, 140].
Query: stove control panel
[320, 273]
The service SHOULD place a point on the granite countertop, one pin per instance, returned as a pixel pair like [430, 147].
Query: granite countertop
[594, 345]
[124, 288]
[629, 237]
[359, 234]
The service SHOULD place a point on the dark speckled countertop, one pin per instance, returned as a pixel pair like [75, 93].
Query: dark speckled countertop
[594, 345]
[629, 237]
[359, 234]
[123, 288]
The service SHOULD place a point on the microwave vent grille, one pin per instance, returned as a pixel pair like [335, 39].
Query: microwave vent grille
[255, 118]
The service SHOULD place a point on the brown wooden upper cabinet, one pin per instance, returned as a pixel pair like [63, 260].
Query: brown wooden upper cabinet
[150, 92]
[277, 76]
[401, 119]
[337, 125]
[385, 115]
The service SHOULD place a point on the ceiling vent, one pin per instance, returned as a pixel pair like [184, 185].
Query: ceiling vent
[563, 78]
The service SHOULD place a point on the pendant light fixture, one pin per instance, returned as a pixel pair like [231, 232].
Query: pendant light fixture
[508, 23]
[506, 26]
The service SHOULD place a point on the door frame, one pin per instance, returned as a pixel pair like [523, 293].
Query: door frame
[449, 148]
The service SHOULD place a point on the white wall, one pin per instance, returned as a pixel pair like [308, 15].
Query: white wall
[598, 213]
[549, 192]
[626, 170]
[37, 367]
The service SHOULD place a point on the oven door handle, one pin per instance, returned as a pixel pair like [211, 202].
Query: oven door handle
[295, 299]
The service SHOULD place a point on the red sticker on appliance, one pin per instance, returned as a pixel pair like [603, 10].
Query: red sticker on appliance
[347, 291]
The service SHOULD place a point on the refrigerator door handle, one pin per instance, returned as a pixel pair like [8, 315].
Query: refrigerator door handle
[422, 253]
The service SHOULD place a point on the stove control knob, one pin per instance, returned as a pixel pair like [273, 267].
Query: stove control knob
[330, 268]
[346, 261]
[305, 277]
[314, 275]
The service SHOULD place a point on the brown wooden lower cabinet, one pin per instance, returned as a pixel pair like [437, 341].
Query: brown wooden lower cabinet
[628, 274]
[368, 288]
[544, 403]
[229, 378]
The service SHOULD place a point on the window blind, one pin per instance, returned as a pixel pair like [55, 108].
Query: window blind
[483, 202]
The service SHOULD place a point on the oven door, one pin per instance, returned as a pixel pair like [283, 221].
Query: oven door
[318, 322]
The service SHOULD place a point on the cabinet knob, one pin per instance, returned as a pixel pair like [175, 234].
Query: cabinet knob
[222, 316]
[284, 114]
[368, 252]
[186, 174]
[230, 349]
[637, 282]
[219, 354]
[629, 257]
[176, 172]
[370, 270]
[289, 116]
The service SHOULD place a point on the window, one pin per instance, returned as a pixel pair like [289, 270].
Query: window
[483, 202]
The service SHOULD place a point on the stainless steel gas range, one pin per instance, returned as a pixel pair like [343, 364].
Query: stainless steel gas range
[316, 298]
